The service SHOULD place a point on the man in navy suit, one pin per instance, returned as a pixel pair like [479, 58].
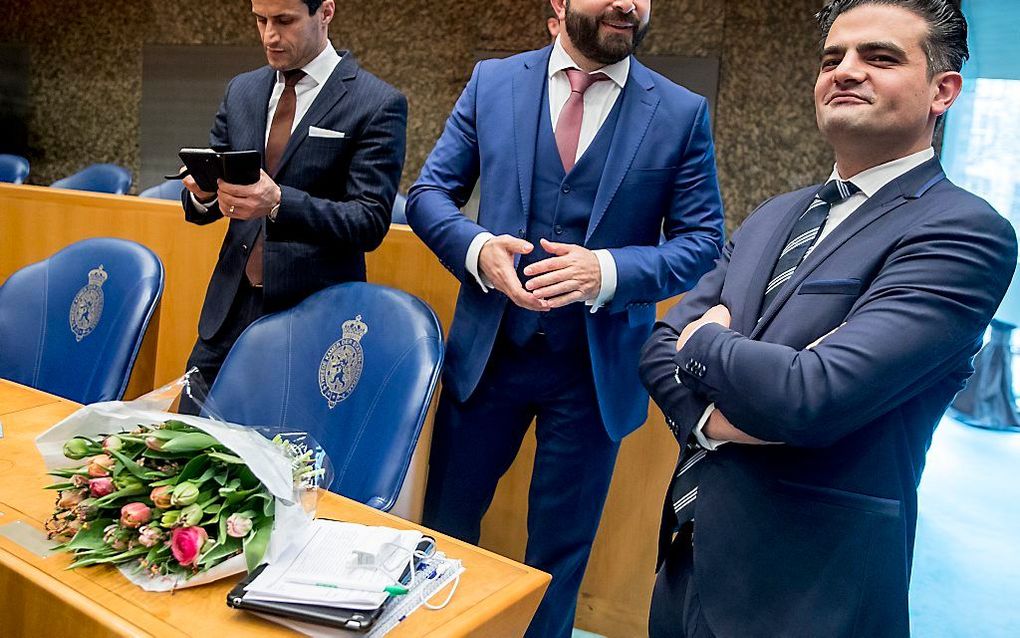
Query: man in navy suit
[583, 156]
[333, 137]
[836, 327]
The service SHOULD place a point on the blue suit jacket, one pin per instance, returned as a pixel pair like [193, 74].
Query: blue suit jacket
[337, 192]
[661, 175]
[815, 537]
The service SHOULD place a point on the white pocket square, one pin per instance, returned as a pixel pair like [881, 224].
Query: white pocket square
[315, 131]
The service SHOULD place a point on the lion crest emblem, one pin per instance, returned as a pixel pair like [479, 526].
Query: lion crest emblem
[87, 305]
[341, 366]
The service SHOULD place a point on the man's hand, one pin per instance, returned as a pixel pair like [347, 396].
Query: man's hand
[250, 201]
[573, 274]
[496, 264]
[193, 188]
[716, 314]
[719, 428]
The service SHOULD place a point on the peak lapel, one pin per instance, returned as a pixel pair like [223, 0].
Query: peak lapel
[636, 111]
[528, 83]
[330, 93]
[908, 186]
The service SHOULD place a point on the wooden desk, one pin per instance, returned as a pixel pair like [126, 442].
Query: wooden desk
[496, 597]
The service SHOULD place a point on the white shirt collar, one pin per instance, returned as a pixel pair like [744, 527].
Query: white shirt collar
[560, 60]
[873, 179]
[321, 67]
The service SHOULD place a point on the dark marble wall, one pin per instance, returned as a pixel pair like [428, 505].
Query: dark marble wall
[86, 72]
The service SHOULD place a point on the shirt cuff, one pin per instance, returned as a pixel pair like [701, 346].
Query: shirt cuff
[607, 264]
[474, 251]
[202, 208]
[699, 436]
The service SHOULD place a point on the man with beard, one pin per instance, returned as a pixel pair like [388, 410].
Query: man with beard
[333, 139]
[583, 156]
[838, 325]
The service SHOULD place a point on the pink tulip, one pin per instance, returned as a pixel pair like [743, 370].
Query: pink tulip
[100, 465]
[186, 544]
[238, 526]
[150, 536]
[153, 443]
[112, 443]
[161, 496]
[134, 515]
[101, 486]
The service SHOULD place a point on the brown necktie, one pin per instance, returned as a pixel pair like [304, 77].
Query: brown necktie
[568, 126]
[279, 134]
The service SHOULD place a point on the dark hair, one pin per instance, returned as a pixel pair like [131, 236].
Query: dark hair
[313, 6]
[946, 44]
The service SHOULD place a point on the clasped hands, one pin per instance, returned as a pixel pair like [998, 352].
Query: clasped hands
[572, 273]
[237, 201]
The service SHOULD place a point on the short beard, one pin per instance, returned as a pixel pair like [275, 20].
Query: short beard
[584, 34]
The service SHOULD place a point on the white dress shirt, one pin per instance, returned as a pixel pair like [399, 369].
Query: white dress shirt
[869, 182]
[599, 100]
[306, 90]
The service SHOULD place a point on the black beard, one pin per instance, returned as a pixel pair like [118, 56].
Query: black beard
[584, 34]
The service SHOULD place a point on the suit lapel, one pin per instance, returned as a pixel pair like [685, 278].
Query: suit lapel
[528, 84]
[330, 93]
[636, 111]
[263, 92]
[908, 186]
[770, 255]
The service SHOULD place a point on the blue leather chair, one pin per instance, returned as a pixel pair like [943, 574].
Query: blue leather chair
[98, 178]
[399, 206]
[354, 365]
[170, 189]
[13, 169]
[72, 325]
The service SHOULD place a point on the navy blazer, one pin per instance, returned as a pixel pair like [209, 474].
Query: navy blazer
[815, 537]
[661, 175]
[337, 191]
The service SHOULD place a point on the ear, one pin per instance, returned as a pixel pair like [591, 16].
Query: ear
[947, 87]
[560, 7]
[328, 9]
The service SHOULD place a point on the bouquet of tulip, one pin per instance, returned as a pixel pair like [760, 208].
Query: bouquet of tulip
[174, 501]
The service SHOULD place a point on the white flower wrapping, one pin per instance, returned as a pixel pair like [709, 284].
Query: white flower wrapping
[264, 458]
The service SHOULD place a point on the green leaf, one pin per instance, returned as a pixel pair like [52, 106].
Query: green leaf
[193, 468]
[226, 458]
[59, 486]
[220, 552]
[115, 558]
[107, 501]
[135, 468]
[255, 546]
[90, 537]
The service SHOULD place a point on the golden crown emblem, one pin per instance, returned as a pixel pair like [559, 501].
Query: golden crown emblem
[98, 276]
[354, 328]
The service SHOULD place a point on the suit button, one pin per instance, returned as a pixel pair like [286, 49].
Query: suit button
[566, 188]
[244, 247]
[520, 233]
[558, 229]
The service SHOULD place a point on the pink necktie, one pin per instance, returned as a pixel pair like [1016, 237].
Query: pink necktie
[568, 127]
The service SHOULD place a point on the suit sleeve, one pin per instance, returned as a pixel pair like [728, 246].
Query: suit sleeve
[445, 184]
[926, 309]
[361, 218]
[693, 228]
[219, 141]
[681, 405]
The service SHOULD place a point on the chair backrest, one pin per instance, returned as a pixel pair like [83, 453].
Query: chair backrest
[13, 169]
[170, 189]
[354, 365]
[98, 178]
[72, 324]
[399, 209]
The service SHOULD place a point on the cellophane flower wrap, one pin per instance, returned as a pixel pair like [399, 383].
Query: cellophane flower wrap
[177, 501]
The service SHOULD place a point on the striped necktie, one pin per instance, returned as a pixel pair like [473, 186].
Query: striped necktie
[804, 234]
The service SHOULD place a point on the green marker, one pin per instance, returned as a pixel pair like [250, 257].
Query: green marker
[392, 590]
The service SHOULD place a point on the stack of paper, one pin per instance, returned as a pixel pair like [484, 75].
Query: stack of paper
[329, 569]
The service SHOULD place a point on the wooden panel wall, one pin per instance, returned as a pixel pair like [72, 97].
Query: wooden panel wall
[36, 222]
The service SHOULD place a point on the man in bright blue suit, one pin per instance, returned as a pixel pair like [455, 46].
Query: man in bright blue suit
[584, 156]
[838, 325]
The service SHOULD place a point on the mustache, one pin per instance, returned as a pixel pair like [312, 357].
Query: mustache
[614, 15]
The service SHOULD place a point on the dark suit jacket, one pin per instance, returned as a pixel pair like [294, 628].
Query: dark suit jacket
[815, 537]
[660, 176]
[337, 192]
